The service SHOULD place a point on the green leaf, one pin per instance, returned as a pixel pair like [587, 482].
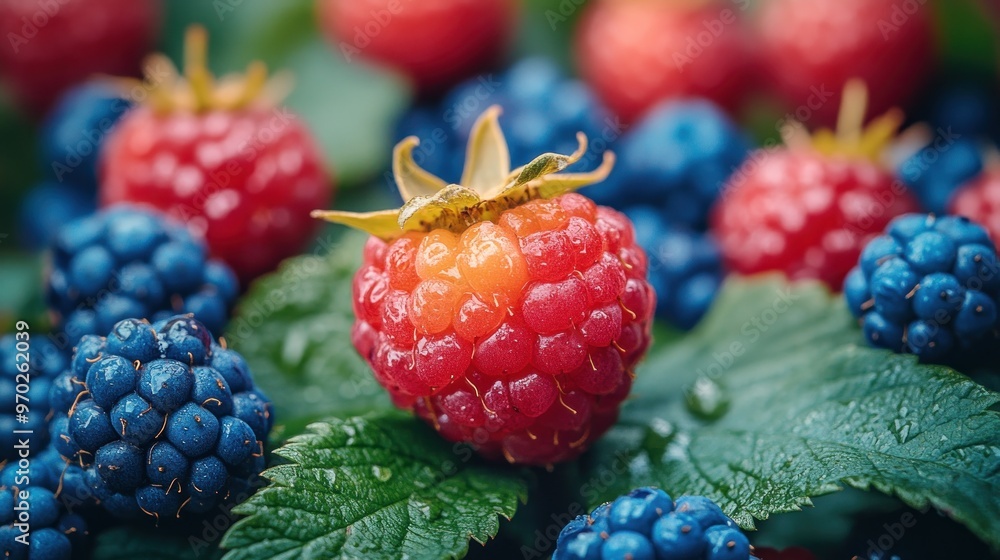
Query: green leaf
[294, 329]
[809, 412]
[132, 543]
[374, 488]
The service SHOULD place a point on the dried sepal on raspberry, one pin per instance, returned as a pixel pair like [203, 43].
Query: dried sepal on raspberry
[196, 90]
[489, 187]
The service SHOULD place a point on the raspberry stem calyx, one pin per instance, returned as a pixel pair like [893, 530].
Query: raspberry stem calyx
[196, 90]
[488, 185]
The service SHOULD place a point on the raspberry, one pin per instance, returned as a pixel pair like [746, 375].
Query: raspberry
[543, 110]
[675, 160]
[806, 215]
[240, 172]
[979, 200]
[810, 49]
[635, 54]
[935, 174]
[53, 46]
[513, 333]
[28, 366]
[646, 524]
[128, 261]
[929, 286]
[434, 43]
[807, 210]
[156, 435]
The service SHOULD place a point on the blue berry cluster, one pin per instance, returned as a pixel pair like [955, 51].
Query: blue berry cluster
[676, 160]
[542, 112]
[671, 168]
[131, 262]
[938, 170]
[70, 140]
[685, 266]
[44, 362]
[646, 524]
[40, 501]
[165, 420]
[929, 286]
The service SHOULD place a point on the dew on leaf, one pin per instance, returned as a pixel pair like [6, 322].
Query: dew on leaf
[707, 399]
[381, 473]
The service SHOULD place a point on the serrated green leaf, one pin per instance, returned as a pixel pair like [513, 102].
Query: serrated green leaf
[810, 412]
[374, 488]
[294, 329]
[132, 543]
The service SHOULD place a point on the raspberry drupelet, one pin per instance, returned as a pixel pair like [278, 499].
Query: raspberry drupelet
[508, 313]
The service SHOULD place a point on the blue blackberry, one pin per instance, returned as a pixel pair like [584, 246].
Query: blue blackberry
[40, 495]
[685, 266]
[646, 524]
[934, 173]
[132, 262]
[542, 112]
[46, 208]
[928, 286]
[29, 363]
[163, 419]
[72, 134]
[676, 159]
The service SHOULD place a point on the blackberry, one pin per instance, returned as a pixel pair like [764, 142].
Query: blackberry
[936, 172]
[163, 418]
[128, 261]
[41, 496]
[47, 207]
[71, 137]
[646, 524]
[45, 361]
[542, 112]
[676, 160]
[685, 266]
[928, 286]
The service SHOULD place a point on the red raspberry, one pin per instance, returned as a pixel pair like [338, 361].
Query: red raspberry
[809, 210]
[635, 54]
[244, 176]
[811, 48]
[50, 46]
[804, 214]
[512, 325]
[434, 42]
[979, 200]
